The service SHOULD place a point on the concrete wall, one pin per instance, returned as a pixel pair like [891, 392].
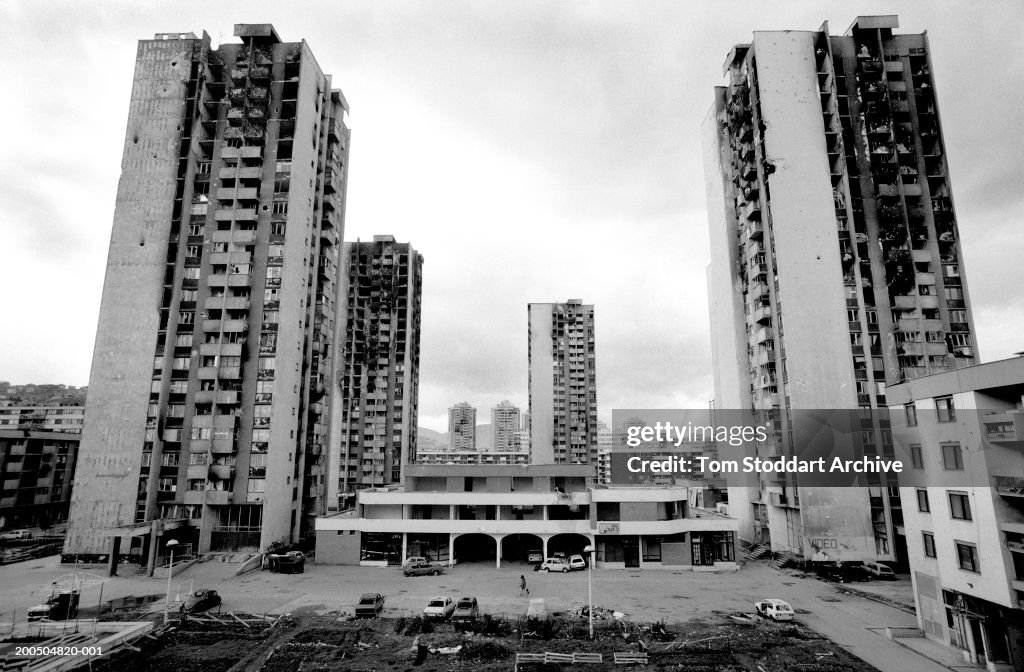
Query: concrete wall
[542, 399]
[337, 547]
[104, 491]
[819, 361]
[676, 554]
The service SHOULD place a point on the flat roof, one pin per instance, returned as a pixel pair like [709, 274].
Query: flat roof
[1002, 373]
[508, 470]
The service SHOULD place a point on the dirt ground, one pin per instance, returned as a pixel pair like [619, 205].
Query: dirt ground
[306, 641]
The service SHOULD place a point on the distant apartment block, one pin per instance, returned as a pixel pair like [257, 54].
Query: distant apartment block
[505, 427]
[210, 391]
[462, 427]
[373, 435]
[37, 468]
[836, 260]
[563, 383]
[444, 455]
[65, 419]
[964, 509]
[608, 439]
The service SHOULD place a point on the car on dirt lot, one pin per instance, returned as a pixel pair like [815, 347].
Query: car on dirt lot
[466, 609]
[201, 600]
[535, 557]
[422, 568]
[577, 562]
[15, 535]
[878, 570]
[775, 609]
[555, 565]
[370, 605]
[292, 562]
[439, 607]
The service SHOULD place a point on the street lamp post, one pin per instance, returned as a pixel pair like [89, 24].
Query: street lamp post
[170, 570]
[589, 550]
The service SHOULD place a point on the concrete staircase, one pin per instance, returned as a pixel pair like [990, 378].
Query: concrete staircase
[758, 551]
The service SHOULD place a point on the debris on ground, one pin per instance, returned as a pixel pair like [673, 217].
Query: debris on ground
[309, 642]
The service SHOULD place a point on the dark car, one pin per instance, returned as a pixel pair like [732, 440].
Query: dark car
[370, 604]
[422, 568]
[466, 609]
[292, 562]
[201, 600]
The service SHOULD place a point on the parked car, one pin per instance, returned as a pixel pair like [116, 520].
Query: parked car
[466, 609]
[555, 565]
[422, 568]
[201, 600]
[439, 607]
[879, 571]
[292, 562]
[535, 557]
[775, 609]
[58, 607]
[15, 535]
[577, 562]
[414, 560]
[370, 605]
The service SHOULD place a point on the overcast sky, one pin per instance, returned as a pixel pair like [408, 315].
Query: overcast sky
[533, 151]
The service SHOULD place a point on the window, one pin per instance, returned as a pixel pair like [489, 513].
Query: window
[916, 458]
[945, 410]
[910, 410]
[183, 340]
[959, 506]
[929, 544]
[954, 293]
[952, 456]
[967, 556]
[168, 485]
[922, 501]
[169, 460]
[186, 317]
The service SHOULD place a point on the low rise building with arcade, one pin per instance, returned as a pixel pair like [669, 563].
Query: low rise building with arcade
[500, 514]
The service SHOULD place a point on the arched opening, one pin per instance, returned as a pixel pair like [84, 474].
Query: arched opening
[567, 544]
[517, 547]
[475, 547]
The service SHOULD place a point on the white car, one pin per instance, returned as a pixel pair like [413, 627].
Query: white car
[15, 535]
[777, 610]
[879, 571]
[555, 565]
[577, 562]
[439, 607]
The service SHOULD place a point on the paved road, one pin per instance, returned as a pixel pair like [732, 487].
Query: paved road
[851, 621]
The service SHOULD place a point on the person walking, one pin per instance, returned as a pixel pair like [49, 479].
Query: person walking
[523, 590]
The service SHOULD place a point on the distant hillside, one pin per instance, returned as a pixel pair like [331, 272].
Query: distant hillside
[41, 395]
[428, 437]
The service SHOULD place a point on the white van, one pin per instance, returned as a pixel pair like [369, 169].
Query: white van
[879, 571]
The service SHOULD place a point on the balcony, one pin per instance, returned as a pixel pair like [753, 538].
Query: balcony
[197, 471]
[229, 373]
[1005, 429]
[762, 314]
[221, 472]
[1009, 486]
[752, 211]
[216, 497]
